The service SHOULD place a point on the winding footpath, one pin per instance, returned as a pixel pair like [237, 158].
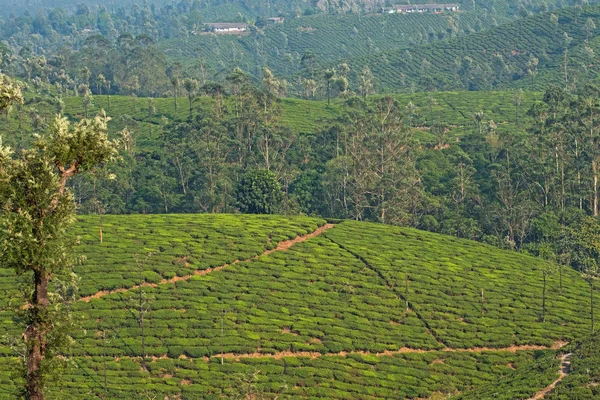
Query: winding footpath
[565, 367]
[282, 246]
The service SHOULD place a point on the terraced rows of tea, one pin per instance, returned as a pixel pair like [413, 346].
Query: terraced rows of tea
[328, 37]
[541, 36]
[579, 362]
[356, 311]
[454, 109]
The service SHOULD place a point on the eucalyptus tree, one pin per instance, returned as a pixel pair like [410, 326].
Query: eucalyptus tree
[328, 77]
[175, 82]
[190, 86]
[366, 86]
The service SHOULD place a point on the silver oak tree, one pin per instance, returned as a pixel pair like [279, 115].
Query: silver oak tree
[36, 212]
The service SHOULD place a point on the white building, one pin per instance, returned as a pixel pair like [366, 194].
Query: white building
[226, 27]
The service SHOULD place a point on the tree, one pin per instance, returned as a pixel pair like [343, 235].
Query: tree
[175, 82]
[307, 61]
[85, 75]
[567, 41]
[588, 241]
[237, 80]
[86, 97]
[366, 83]
[100, 83]
[589, 28]
[270, 82]
[547, 269]
[328, 76]
[9, 93]
[532, 65]
[591, 274]
[517, 101]
[190, 86]
[37, 210]
[258, 192]
[107, 87]
[310, 87]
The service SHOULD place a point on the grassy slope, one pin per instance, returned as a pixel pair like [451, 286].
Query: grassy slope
[342, 291]
[515, 41]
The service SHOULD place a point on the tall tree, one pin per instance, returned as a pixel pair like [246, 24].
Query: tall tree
[37, 209]
[175, 82]
[328, 77]
[366, 86]
[190, 86]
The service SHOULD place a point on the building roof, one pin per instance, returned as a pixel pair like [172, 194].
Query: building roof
[414, 6]
[226, 25]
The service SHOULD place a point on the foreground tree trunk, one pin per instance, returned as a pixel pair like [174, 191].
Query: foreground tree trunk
[35, 336]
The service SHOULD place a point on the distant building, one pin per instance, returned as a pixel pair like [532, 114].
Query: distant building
[226, 27]
[420, 8]
[275, 20]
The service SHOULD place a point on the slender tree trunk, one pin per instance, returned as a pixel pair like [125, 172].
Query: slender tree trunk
[564, 194]
[141, 321]
[105, 377]
[592, 303]
[566, 65]
[482, 302]
[544, 301]
[406, 292]
[560, 275]
[35, 336]
[595, 195]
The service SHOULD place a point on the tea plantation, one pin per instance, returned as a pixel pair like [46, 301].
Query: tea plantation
[357, 311]
[453, 109]
[581, 382]
[329, 38]
[510, 45]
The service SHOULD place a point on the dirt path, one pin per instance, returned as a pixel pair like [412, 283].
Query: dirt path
[403, 350]
[565, 367]
[282, 246]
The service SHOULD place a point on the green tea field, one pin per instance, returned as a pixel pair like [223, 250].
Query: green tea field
[230, 306]
[456, 110]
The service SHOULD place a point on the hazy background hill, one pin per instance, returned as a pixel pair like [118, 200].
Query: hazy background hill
[273, 7]
[528, 53]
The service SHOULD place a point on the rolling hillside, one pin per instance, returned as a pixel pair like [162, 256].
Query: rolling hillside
[243, 305]
[497, 57]
[328, 38]
[454, 109]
